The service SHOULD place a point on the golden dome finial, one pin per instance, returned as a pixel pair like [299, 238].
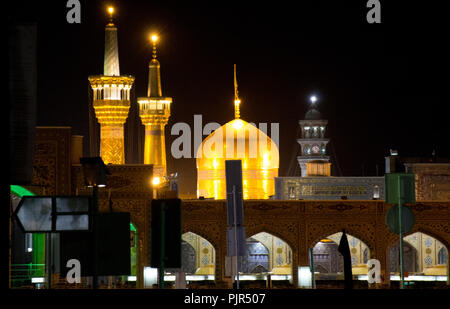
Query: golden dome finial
[111, 13]
[237, 102]
[154, 38]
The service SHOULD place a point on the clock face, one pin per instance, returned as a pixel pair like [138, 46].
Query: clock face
[315, 149]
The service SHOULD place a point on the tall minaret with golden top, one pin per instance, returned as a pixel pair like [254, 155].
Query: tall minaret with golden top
[111, 99]
[154, 111]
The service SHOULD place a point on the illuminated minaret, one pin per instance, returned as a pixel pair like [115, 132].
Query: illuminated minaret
[154, 111]
[111, 99]
[313, 160]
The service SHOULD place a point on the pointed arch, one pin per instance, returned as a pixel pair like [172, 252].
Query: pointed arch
[257, 256]
[279, 233]
[363, 232]
[280, 255]
[423, 246]
[419, 229]
[202, 234]
[327, 256]
[204, 259]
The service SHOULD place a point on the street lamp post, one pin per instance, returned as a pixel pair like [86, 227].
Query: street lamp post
[94, 171]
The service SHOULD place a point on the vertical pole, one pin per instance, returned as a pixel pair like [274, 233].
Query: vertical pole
[49, 246]
[235, 237]
[311, 265]
[163, 238]
[48, 259]
[10, 238]
[402, 278]
[94, 240]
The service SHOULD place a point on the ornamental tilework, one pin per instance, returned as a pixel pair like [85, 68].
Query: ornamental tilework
[205, 260]
[353, 242]
[428, 242]
[51, 162]
[428, 260]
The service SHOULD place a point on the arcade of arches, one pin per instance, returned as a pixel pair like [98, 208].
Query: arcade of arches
[265, 254]
[312, 224]
[268, 254]
[423, 255]
[280, 233]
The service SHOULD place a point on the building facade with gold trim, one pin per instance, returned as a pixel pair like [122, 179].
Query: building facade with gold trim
[291, 227]
[280, 232]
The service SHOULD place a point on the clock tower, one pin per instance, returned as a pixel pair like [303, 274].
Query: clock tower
[313, 160]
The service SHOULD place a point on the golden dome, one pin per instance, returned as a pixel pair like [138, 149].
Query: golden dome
[237, 140]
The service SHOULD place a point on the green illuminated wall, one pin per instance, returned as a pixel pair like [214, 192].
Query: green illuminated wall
[38, 256]
[133, 250]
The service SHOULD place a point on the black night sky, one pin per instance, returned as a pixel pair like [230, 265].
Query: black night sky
[380, 86]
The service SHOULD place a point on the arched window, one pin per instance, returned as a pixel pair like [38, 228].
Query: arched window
[267, 253]
[198, 256]
[442, 256]
[365, 255]
[327, 257]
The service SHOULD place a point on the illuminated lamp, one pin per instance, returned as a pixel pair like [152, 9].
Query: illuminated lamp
[156, 180]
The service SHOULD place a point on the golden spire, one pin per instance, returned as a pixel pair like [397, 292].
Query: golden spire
[111, 12]
[111, 60]
[154, 39]
[237, 112]
[154, 75]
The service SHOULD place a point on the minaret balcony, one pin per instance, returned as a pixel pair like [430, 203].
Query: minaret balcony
[111, 104]
[111, 112]
[154, 110]
[154, 104]
[99, 81]
[154, 119]
[111, 87]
